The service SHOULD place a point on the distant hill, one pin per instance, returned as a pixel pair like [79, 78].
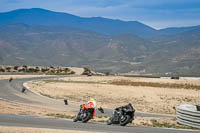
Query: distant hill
[37, 16]
[44, 45]
[177, 53]
[177, 30]
[63, 46]
[41, 45]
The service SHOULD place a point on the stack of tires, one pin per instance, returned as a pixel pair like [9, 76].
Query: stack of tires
[188, 115]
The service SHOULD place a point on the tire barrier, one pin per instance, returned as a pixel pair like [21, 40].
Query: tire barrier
[188, 115]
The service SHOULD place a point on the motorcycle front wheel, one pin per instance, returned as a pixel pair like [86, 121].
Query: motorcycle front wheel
[125, 120]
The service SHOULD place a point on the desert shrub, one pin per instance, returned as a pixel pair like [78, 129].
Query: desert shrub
[2, 70]
[25, 66]
[45, 69]
[66, 69]
[31, 70]
[16, 67]
[22, 70]
[86, 71]
[53, 71]
[72, 72]
[107, 73]
[37, 69]
[8, 68]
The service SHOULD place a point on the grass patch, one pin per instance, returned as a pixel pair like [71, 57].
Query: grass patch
[64, 81]
[155, 123]
[161, 85]
[62, 116]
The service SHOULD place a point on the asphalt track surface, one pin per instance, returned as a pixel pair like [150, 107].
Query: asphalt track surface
[12, 92]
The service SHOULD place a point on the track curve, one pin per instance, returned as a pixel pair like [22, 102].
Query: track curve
[12, 91]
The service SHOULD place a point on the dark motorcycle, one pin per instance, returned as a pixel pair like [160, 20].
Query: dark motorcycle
[122, 115]
[84, 114]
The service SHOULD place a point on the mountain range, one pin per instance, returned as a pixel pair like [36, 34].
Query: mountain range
[41, 37]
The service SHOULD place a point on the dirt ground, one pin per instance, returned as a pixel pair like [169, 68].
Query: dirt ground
[4, 129]
[144, 98]
[8, 107]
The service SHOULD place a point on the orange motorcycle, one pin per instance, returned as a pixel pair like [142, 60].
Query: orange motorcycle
[85, 114]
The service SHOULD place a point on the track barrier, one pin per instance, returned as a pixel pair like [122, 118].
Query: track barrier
[188, 115]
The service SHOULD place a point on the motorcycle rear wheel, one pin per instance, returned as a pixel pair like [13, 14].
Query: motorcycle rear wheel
[125, 121]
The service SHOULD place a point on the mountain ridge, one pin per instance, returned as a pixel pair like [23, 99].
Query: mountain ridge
[37, 16]
[107, 26]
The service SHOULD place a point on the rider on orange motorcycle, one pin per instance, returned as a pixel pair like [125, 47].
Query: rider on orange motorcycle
[90, 104]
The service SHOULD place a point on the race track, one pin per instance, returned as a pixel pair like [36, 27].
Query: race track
[12, 91]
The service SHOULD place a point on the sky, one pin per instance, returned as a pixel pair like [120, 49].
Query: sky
[155, 13]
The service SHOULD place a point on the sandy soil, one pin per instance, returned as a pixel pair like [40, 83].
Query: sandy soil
[144, 99]
[7, 107]
[20, 76]
[4, 129]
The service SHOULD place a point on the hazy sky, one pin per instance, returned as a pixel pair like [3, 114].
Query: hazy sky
[156, 13]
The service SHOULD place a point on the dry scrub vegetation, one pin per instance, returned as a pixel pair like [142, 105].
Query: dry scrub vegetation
[146, 94]
[161, 85]
[159, 122]
[4, 129]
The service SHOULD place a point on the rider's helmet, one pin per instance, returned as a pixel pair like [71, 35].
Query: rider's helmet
[92, 99]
